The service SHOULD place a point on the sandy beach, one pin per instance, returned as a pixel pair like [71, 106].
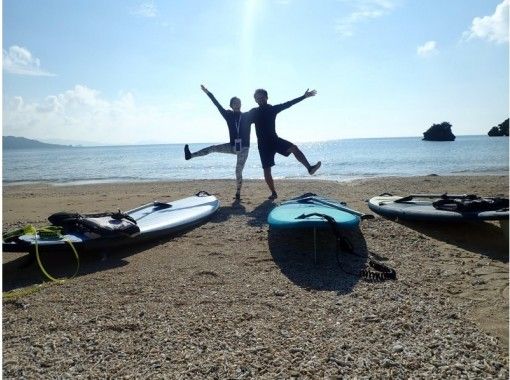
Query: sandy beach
[231, 299]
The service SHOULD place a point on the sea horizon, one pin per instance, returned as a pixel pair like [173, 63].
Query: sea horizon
[77, 144]
[342, 160]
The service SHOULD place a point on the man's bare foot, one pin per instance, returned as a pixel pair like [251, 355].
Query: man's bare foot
[314, 168]
[273, 196]
[187, 153]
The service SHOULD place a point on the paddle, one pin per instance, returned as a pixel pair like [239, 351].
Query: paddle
[442, 196]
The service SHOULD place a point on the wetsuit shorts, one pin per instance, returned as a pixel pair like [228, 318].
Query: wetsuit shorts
[267, 151]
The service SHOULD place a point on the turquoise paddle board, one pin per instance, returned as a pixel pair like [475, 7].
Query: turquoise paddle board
[312, 211]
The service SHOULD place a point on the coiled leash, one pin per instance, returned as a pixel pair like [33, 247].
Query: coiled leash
[50, 233]
[375, 272]
[53, 232]
[14, 234]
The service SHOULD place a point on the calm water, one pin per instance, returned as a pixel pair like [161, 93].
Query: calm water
[341, 160]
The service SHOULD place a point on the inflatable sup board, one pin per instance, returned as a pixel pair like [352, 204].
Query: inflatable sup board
[439, 207]
[152, 221]
[307, 211]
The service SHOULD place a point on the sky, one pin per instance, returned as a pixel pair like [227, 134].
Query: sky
[129, 71]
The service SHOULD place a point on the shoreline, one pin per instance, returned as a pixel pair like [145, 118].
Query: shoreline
[231, 297]
[84, 182]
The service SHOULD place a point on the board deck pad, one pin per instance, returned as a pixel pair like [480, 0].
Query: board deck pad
[295, 213]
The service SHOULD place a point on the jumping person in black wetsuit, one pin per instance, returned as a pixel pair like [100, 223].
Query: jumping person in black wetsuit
[239, 129]
[264, 117]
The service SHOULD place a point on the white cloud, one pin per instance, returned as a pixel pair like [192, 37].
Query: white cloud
[18, 60]
[364, 10]
[146, 9]
[83, 113]
[493, 28]
[428, 49]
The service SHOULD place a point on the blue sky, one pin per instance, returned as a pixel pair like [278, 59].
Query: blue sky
[127, 72]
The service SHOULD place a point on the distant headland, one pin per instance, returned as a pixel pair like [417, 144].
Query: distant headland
[12, 142]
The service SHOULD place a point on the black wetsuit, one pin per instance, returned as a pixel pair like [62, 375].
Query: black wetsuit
[269, 143]
[235, 121]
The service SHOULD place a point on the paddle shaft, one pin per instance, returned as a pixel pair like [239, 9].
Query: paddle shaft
[445, 195]
[434, 196]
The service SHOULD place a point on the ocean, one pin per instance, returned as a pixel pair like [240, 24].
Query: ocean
[342, 160]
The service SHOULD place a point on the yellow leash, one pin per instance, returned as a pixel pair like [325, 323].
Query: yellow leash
[44, 271]
[49, 232]
[27, 230]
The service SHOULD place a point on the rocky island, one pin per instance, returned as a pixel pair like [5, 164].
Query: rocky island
[439, 132]
[500, 130]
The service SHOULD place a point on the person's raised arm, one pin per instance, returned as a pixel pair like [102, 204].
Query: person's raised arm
[307, 94]
[213, 99]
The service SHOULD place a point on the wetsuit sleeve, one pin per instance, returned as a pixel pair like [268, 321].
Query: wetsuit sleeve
[248, 116]
[218, 105]
[283, 106]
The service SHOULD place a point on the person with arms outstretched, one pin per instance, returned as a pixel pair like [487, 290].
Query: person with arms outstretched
[269, 143]
[239, 129]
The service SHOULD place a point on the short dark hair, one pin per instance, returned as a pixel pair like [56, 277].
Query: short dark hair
[232, 100]
[262, 91]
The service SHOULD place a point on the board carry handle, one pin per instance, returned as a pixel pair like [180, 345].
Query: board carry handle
[339, 207]
[323, 216]
[161, 205]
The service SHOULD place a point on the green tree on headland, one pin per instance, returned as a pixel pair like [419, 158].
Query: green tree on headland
[500, 130]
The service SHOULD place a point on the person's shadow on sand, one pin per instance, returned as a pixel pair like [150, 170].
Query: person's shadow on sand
[258, 216]
[293, 251]
[478, 237]
[225, 212]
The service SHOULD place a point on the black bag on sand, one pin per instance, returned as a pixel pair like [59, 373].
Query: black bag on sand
[471, 203]
[103, 225]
